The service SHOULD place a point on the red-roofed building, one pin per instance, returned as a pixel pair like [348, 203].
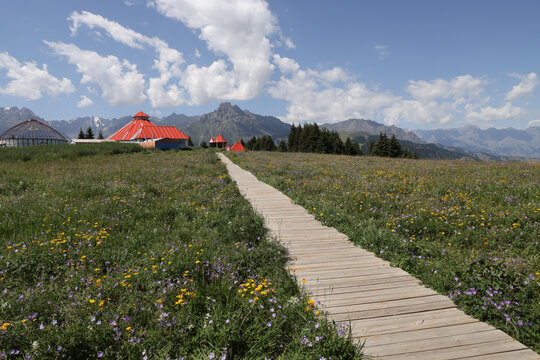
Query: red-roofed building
[218, 142]
[236, 147]
[141, 129]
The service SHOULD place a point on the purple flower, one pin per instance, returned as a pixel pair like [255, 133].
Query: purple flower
[99, 354]
[269, 324]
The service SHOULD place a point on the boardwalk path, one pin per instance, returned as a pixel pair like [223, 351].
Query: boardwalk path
[397, 316]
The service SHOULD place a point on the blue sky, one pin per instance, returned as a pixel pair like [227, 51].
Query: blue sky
[415, 64]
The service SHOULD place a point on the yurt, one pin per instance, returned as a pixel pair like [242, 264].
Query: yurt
[31, 133]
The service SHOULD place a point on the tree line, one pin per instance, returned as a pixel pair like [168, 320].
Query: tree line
[389, 147]
[311, 138]
[89, 134]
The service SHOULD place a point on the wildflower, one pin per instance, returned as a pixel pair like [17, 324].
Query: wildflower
[92, 301]
[100, 354]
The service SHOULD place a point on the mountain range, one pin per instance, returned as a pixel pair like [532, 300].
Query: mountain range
[506, 142]
[233, 123]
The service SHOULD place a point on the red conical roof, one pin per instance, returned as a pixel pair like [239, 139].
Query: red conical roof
[140, 114]
[220, 139]
[140, 128]
[237, 147]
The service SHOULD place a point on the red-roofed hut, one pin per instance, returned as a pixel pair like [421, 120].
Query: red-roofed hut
[218, 142]
[142, 130]
[236, 147]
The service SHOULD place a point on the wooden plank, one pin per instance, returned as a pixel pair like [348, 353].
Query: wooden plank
[423, 334]
[346, 288]
[408, 322]
[525, 354]
[445, 342]
[463, 351]
[420, 306]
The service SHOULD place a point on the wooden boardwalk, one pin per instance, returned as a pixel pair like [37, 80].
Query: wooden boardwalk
[396, 316]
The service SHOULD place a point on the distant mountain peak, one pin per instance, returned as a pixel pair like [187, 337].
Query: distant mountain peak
[372, 128]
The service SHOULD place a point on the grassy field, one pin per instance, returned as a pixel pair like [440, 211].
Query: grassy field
[146, 255]
[467, 229]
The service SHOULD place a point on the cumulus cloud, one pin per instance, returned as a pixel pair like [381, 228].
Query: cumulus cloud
[31, 82]
[438, 101]
[240, 31]
[506, 112]
[382, 50]
[534, 123]
[84, 102]
[315, 96]
[168, 62]
[525, 87]
[120, 82]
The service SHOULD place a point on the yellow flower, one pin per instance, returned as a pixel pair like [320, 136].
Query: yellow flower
[92, 301]
[128, 328]
[304, 280]
[4, 326]
[101, 302]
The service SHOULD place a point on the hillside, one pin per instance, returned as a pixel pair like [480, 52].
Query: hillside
[427, 150]
[372, 128]
[234, 123]
[506, 142]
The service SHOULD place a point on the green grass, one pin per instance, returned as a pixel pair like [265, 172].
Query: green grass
[145, 255]
[67, 151]
[467, 229]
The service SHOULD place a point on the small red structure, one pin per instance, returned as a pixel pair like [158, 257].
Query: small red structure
[218, 142]
[141, 129]
[236, 147]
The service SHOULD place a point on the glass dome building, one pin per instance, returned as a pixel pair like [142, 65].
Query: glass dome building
[30, 133]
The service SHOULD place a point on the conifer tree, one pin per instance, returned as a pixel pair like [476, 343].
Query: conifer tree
[81, 134]
[394, 147]
[282, 146]
[89, 133]
[100, 136]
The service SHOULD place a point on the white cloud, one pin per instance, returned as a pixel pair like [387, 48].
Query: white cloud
[525, 87]
[29, 81]
[120, 82]
[289, 44]
[197, 53]
[382, 50]
[465, 86]
[313, 95]
[236, 29]
[506, 112]
[534, 123]
[84, 102]
[438, 101]
[160, 92]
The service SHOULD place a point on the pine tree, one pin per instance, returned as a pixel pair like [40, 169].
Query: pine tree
[282, 146]
[242, 142]
[100, 135]
[89, 133]
[394, 147]
[81, 134]
[203, 145]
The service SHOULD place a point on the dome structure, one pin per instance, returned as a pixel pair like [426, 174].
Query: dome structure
[30, 133]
